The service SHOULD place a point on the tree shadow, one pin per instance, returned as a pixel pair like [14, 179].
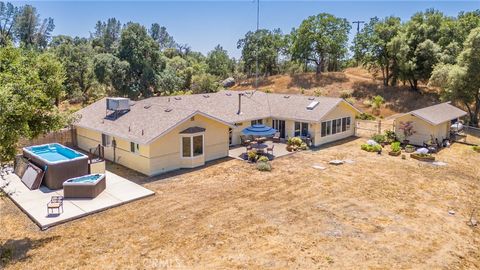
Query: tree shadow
[311, 80]
[398, 98]
[16, 250]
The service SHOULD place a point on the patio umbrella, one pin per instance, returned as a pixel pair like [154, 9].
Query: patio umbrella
[259, 130]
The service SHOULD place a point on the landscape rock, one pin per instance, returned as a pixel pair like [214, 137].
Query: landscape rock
[228, 82]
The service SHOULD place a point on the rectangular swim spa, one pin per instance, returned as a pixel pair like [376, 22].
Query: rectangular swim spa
[87, 186]
[60, 163]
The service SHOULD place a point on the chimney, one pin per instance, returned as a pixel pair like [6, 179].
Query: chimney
[240, 103]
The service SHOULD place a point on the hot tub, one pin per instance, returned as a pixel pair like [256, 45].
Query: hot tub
[59, 163]
[87, 186]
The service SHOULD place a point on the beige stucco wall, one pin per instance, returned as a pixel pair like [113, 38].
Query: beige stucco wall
[88, 139]
[342, 110]
[165, 151]
[163, 154]
[423, 130]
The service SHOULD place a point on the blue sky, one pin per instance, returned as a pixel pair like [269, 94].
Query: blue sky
[204, 24]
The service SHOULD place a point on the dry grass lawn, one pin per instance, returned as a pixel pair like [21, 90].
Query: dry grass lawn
[380, 212]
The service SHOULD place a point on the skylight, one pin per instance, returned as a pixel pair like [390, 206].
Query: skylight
[312, 105]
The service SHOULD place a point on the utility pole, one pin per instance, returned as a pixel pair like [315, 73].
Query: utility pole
[358, 24]
[358, 30]
[258, 49]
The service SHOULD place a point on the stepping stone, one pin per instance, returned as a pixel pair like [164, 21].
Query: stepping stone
[336, 162]
[319, 167]
[439, 163]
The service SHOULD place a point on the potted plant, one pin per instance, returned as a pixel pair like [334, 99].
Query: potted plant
[395, 150]
[409, 148]
[422, 157]
[252, 156]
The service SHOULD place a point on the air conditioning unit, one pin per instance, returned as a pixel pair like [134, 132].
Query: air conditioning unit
[118, 104]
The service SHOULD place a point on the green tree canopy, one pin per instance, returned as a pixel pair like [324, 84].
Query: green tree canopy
[30, 83]
[322, 40]
[264, 44]
[461, 81]
[144, 58]
[219, 64]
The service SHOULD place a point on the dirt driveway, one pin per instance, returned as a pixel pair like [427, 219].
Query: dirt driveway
[377, 212]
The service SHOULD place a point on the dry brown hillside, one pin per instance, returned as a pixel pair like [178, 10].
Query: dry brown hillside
[356, 81]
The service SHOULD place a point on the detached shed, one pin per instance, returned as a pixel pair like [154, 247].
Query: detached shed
[430, 123]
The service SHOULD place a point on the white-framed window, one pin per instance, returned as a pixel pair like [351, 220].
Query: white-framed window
[134, 147]
[106, 140]
[335, 126]
[192, 146]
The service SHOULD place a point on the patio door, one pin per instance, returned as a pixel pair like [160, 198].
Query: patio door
[280, 126]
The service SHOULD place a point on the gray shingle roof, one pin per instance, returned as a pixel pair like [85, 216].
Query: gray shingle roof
[153, 117]
[440, 113]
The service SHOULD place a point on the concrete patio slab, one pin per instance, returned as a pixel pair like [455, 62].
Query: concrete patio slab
[279, 150]
[34, 202]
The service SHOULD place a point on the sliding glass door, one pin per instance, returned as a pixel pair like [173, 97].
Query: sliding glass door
[280, 126]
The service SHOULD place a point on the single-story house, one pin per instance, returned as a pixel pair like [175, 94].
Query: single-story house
[429, 123]
[161, 134]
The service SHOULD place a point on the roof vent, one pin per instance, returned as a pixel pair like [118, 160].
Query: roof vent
[168, 110]
[311, 98]
[206, 96]
[147, 106]
[178, 98]
[228, 94]
[312, 105]
[286, 96]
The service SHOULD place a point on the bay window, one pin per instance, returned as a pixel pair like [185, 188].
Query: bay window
[192, 146]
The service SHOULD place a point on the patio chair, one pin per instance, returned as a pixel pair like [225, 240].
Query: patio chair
[244, 140]
[270, 149]
[249, 147]
[56, 202]
[276, 137]
[260, 151]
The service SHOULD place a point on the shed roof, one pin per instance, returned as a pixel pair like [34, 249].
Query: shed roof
[440, 113]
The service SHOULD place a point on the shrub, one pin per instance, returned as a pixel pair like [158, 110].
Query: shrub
[365, 116]
[252, 156]
[379, 138]
[367, 103]
[351, 100]
[377, 101]
[345, 94]
[303, 146]
[395, 147]
[371, 148]
[476, 148]
[264, 166]
[263, 159]
[390, 136]
[294, 141]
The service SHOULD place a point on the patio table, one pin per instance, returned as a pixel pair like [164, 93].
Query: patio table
[259, 145]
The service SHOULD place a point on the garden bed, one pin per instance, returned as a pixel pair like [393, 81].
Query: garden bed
[422, 157]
